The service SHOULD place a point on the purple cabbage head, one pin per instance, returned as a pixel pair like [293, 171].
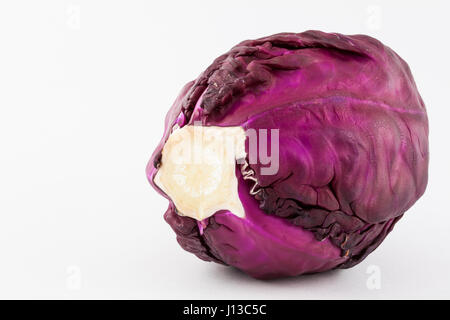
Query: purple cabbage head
[353, 151]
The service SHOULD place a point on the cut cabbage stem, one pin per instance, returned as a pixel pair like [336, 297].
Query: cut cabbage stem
[198, 167]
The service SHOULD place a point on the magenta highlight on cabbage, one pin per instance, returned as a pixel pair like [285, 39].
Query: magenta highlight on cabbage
[294, 153]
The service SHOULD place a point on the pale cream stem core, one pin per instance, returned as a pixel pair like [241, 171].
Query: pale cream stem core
[198, 170]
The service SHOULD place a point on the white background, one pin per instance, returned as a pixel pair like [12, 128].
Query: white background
[84, 88]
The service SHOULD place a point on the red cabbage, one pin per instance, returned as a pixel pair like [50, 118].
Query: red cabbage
[353, 151]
